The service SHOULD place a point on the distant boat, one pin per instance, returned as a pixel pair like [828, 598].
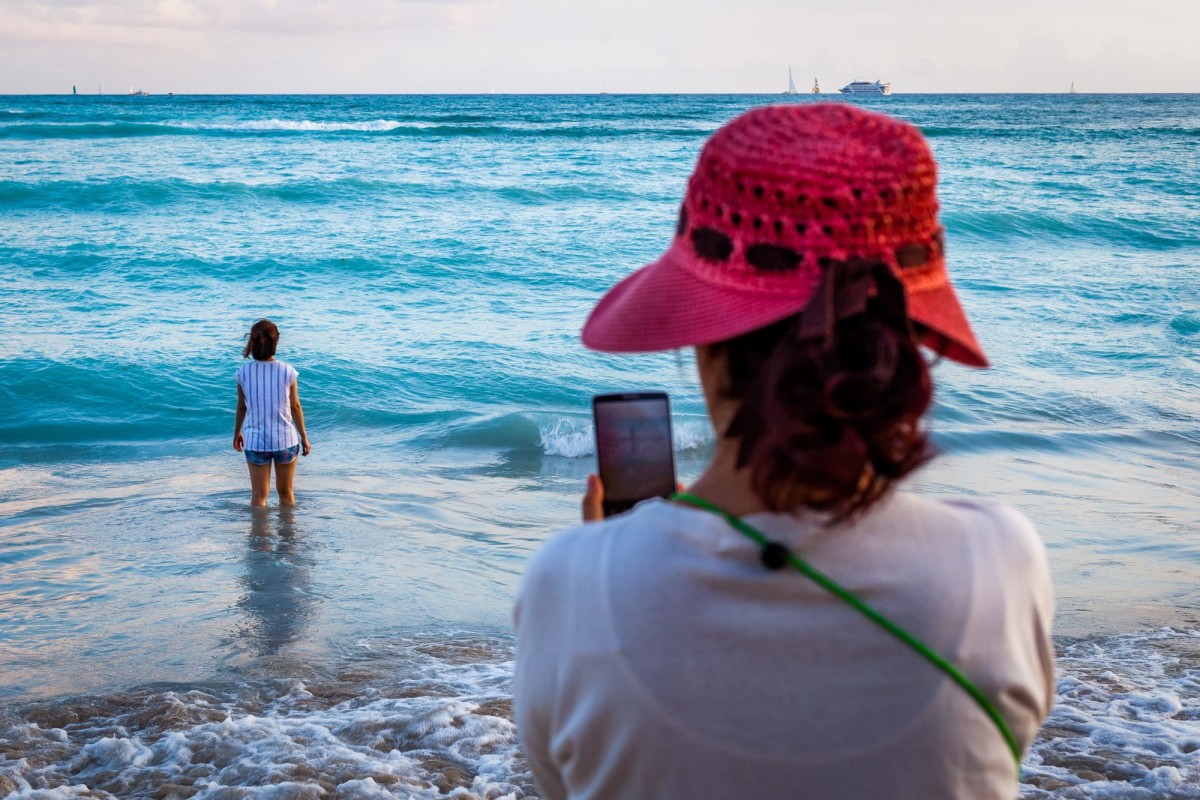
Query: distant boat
[859, 86]
[1072, 91]
[791, 83]
[138, 93]
[73, 89]
[816, 87]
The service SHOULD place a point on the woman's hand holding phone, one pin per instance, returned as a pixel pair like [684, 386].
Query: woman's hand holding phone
[593, 499]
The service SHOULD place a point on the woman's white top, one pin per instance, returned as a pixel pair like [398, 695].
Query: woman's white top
[658, 658]
[267, 387]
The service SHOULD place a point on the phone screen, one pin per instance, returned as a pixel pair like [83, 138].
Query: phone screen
[633, 448]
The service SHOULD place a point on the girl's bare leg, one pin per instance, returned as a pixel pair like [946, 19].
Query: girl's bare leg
[285, 474]
[260, 484]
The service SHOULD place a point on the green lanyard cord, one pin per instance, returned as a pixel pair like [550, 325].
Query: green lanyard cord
[842, 593]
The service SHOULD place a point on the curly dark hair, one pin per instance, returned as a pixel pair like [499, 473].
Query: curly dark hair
[830, 422]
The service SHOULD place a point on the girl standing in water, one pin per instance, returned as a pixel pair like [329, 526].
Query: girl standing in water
[270, 421]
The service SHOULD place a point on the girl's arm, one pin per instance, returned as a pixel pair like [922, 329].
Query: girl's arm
[298, 418]
[241, 417]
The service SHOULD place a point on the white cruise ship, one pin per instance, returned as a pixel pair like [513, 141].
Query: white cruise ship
[867, 87]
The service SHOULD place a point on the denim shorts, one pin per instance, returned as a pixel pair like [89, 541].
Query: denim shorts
[261, 458]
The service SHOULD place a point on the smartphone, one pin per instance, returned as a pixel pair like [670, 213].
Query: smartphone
[633, 448]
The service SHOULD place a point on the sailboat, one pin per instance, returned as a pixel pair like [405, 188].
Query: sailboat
[791, 83]
[816, 87]
[1072, 91]
[73, 91]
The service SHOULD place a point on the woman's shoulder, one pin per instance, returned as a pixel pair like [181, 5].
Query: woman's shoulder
[982, 513]
[559, 553]
[983, 523]
[254, 368]
[1008, 524]
[270, 364]
[568, 553]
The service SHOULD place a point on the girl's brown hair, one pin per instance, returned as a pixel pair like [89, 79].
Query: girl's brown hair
[830, 422]
[263, 338]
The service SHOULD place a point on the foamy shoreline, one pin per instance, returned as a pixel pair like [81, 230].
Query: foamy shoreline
[431, 717]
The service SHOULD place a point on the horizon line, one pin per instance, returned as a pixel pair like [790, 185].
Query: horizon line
[798, 95]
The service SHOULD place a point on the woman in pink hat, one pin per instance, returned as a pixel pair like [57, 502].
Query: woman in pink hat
[793, 625]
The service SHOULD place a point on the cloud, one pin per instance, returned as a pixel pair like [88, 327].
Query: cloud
[621, 45]
[71, 20]
[180, 13]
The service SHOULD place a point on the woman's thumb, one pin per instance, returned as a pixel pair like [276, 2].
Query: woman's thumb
[593, 499]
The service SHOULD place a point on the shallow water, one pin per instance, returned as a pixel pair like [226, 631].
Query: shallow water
[429, 261]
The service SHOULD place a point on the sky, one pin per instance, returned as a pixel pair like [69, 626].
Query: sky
[552, 46]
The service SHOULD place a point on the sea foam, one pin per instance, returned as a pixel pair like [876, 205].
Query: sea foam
[575, 438]
[428, 717]
[1126, 723]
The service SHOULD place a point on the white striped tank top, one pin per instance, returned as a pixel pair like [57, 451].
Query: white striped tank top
[268, 426]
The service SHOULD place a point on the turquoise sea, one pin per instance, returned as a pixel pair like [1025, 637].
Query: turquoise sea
[429, 261]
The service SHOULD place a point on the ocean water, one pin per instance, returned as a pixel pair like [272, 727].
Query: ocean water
[429, 261]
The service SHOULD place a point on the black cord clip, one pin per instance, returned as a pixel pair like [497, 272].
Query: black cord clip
[775, 556]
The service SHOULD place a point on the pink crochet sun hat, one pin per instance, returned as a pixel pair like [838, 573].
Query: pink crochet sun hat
[778, 195]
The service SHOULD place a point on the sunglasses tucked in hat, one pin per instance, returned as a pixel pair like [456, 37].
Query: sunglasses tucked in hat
[778, 196]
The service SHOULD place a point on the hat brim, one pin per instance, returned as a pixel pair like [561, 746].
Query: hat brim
[946, 329]
[664, 306]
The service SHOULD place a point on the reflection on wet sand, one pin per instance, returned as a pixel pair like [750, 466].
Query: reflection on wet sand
[277, 602]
